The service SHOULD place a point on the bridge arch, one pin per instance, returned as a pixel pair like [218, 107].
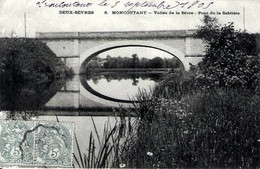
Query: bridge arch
[90, 53]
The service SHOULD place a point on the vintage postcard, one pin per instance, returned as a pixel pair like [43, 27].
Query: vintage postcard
[147, 83]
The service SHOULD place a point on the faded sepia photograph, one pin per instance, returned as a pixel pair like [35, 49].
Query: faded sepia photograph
[130, 84]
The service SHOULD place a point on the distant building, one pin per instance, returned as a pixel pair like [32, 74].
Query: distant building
[102, 62]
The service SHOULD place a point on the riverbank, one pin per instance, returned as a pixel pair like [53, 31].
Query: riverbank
[192, 127]
[130, 70]
[29, 59]
[208, 117]
[30, 74]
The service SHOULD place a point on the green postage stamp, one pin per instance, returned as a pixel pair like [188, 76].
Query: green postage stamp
[36, 143]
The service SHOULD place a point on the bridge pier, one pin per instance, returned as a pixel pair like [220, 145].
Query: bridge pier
[72, 62]
[67, 97]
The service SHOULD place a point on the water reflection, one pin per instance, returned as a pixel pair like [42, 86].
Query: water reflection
[123, 76]
[72, 99]
[120, 87]
[21, 100]
[84, 95]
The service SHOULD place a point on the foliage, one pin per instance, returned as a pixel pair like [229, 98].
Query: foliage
[208, 117]
[231, 59]
[29, 71]
[134, 62]
[122, 75]
[156, 62]
[212, 128]
[176, 85]
[28, 59]
[22, 102]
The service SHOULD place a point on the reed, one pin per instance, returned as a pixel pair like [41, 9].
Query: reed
[207, 128]
[185, 127]
[104, 151]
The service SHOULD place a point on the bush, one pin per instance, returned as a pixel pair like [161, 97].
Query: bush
[28, 68]
[28, 60]
[208, 117]
[175, 85]
[231, 56]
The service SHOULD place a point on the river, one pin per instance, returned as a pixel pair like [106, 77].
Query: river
[89, 101]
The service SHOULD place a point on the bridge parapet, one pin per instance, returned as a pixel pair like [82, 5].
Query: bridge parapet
[56, 35]
[117, 35]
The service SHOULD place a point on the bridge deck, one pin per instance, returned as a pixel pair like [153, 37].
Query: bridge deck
[116, 35]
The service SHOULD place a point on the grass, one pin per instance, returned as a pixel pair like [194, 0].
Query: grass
[105, 151]
[182, 126]
[207, 128]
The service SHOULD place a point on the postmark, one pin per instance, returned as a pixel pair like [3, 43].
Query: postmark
[36, 143]
[13, 150]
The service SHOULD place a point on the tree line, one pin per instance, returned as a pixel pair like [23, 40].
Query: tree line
[134, 62]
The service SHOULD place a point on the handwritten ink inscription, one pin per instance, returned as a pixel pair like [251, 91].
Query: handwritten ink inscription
[130, 4]
[164, 5]
[63, 4]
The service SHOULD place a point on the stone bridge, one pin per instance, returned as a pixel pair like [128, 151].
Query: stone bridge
[77, 48]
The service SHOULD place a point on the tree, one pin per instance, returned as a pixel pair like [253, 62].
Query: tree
[144, 63]
[28, 70]
[156, 62]
[231, 59]
[93, 64]
[111, 62]
[135, 60]
[171, 63]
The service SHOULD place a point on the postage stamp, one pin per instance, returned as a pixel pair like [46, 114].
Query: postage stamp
[54, 143]
[36, 143]
[16, 146]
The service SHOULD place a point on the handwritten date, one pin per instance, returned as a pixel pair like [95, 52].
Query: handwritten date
[130, 4]
[164, 5]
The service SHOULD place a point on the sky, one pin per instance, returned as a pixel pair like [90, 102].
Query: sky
[141, 52]
[48, 19]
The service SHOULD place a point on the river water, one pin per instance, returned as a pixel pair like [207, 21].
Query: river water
[89, 98]
[84, 98]
[101, 91]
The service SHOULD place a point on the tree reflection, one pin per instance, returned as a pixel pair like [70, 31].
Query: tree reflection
[23, 100]
[135, 81]
[28, 76]
[95, 77]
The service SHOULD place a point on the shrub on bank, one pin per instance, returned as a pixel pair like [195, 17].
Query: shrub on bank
[175, 85]
[28, 68]
[230, 56]
[208, 117]
[28, 60]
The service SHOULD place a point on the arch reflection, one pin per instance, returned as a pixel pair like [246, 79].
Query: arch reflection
[119, 87]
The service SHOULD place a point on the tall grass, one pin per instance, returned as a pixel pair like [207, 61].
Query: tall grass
[202, 128]
[105, 151]
[178, 127]
[175, 85]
